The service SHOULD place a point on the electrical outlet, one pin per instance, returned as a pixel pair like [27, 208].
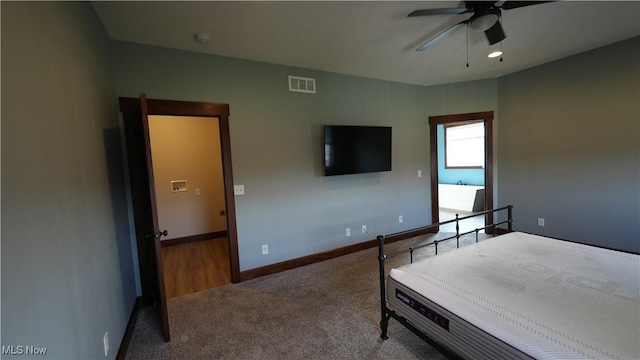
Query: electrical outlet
[400, 218]
[105, 340]
[540, 221]
[419, 173]
[265, 249]
[348, 232]
[364, 229]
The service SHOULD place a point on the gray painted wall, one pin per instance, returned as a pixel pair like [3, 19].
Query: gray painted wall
[276, 142]
[569, 143]
[67, 267]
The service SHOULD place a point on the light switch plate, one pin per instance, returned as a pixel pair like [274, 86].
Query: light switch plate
[238, 189]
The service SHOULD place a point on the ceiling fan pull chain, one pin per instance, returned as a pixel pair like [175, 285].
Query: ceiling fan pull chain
[501, 52]
[468, 45]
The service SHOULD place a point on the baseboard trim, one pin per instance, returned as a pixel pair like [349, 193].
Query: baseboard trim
[126, 338]
[318, 257]
[330, 254]
[193, 238]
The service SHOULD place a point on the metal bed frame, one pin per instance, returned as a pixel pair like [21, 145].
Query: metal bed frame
[388, 313]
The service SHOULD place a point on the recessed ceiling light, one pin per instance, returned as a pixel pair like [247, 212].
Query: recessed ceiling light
[495, 54]
[203, 38]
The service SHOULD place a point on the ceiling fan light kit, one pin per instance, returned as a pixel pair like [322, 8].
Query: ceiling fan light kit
[495, 34]
[485, 20]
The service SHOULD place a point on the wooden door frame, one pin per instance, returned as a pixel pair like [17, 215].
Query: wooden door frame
[434, 121]
[130, 108]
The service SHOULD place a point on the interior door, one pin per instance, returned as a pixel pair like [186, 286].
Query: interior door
[154, 233]
[135, 113]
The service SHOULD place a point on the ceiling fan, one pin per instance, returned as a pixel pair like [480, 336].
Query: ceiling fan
[486, 17]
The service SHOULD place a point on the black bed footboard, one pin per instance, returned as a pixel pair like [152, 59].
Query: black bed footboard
[387, 313]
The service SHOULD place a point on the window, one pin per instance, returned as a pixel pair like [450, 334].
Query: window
[464, 145]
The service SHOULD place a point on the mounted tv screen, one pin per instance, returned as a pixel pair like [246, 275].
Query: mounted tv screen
[356, 149]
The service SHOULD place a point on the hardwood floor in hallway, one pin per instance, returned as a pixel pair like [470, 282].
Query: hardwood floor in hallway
[195, 266]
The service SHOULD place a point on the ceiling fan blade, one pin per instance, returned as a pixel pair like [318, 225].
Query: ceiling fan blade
[449, 11]
[495, 34]
[441, 36]
[508, 5]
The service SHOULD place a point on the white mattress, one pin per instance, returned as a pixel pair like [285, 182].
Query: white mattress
[520, 295]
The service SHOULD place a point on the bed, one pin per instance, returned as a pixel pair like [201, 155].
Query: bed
[517, 296]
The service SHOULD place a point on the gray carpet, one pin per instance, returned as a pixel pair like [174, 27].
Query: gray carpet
[327, 310]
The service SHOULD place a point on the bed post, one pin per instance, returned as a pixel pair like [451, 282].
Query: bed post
[457, 232]
[510, 218]
[384, 321]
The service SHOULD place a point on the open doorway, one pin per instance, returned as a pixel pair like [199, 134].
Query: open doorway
[190, 201]
[461, 149]
[144, 206]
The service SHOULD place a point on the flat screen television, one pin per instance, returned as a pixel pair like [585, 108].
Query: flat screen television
[356, 149]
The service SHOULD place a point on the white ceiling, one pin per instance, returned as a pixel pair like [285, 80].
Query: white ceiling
[372, 39]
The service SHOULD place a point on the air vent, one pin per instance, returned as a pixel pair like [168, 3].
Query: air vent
[302, 84]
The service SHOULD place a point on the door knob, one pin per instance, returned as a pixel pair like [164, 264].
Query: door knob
[160, 234]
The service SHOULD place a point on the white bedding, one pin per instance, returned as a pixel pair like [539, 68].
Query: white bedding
[544, 297]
